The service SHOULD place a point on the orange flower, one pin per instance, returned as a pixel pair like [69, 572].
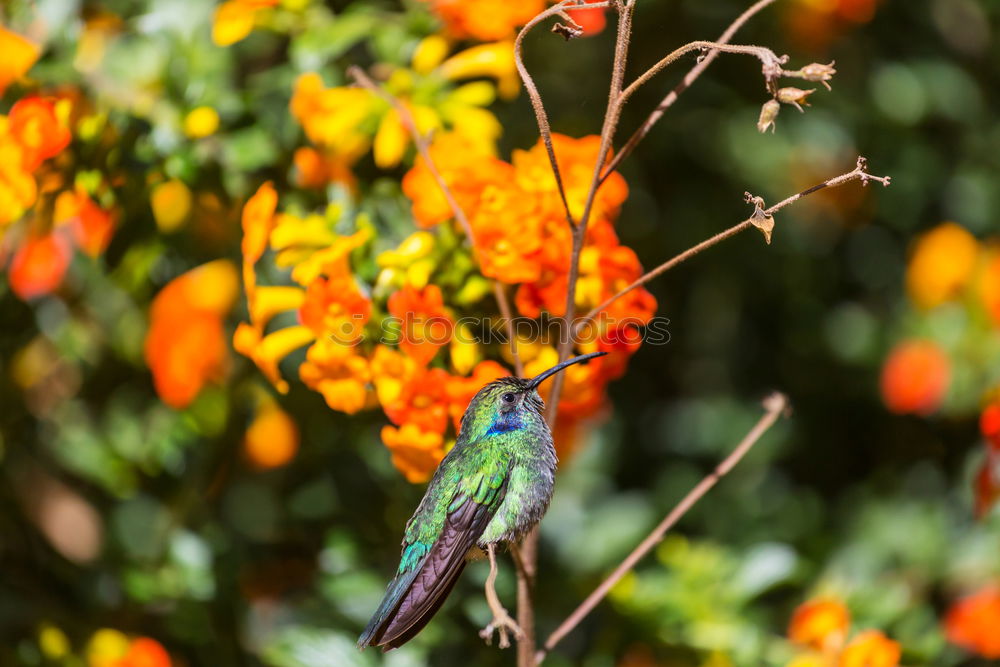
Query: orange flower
[989, 424]
[415, 453]
[870, 648]
[423, 400]
[334, 307]
[915, 377]
[942, 264]
[484, 20]
[591, 20]
[272, 439]
[186, 346]
[92, 225]
[989, 286]
[972, 622]
[145, 652]
[424, 324]
[821, 624]
[465, 168]
[258, 221]
[34, 125]
[339, 373]
[460, 390]
[39, 265]
[18, 56]
[313, 169]
[576, 159]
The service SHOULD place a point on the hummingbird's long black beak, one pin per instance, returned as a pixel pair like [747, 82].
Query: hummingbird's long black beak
[544, 375]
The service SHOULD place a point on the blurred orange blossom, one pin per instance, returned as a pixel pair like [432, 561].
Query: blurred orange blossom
[821, 624]
[915, 377]
[186, 346]
[973, 622]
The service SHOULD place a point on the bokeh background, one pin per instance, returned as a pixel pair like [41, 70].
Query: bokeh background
[163, 503]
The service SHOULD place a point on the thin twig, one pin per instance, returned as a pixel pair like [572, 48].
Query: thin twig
[859, 173]
[762, 53]
[774, 406]
[612, 115]
[423, 148]
[685, 83]
[541, 116]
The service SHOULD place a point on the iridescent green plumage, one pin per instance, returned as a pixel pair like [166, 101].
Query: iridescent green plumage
[491, 488]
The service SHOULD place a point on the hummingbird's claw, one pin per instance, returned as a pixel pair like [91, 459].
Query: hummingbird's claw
[501, 623]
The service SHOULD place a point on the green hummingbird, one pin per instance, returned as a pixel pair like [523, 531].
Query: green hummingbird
[491, 488]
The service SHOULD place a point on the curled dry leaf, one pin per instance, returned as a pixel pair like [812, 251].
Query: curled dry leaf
[760, 219]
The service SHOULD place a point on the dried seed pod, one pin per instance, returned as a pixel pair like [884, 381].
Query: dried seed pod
[794, 96]
[768, 113]
[818, 72]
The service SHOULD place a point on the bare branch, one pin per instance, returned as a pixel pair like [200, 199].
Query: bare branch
[541, 116]
[859, 173]
[423, 148]
[771, 62]
[774, 405]
[685, 83]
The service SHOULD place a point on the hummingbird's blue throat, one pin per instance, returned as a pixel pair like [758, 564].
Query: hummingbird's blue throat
[505, 423]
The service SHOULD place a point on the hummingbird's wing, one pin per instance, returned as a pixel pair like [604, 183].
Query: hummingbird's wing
[430, 566]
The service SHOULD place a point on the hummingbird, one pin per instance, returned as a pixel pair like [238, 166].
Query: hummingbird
[490, 489]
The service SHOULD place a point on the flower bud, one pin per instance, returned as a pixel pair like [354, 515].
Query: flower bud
[794, 96]
[768, 113]
[818, 72]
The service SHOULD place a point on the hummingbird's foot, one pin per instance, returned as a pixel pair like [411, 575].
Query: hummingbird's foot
[501, 623]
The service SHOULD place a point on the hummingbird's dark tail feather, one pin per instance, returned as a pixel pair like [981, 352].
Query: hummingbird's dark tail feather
[414, 597]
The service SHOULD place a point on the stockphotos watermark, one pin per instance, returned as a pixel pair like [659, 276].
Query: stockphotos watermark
[417, 328]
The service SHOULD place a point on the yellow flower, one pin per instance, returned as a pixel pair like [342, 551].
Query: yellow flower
[53, 642]
[269, 301]
[106, 647]
[391, 140]
[201, 122]
[495, 60]
[942, 264]
[18, 56]
[171, 204]
[466, 353]
[429, 53]
[331, 117]
[332, 260]
[234, 19]
[391, 371]
[268, 351]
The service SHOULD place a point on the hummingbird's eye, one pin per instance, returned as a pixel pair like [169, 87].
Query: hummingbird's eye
[509, 397]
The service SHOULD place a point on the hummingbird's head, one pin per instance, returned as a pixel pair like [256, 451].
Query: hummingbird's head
[510, 403]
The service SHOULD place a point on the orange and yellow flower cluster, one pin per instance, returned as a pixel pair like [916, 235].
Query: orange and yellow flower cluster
[33, 135]
[395, 339]
[951, 271]
[106, 648]
[346, 122]
[821, 628]
[949, 267]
